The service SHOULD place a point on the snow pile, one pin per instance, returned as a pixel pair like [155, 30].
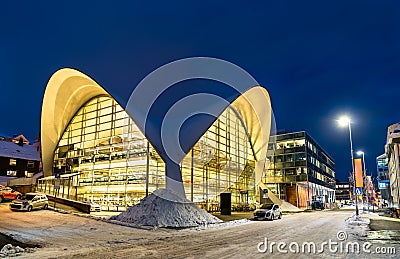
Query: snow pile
[355, 220]
[164, 208]
[10, 251]
[288, 207]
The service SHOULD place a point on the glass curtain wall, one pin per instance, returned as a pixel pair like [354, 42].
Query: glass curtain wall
[103, 157]
[299, 170]
[221, 161]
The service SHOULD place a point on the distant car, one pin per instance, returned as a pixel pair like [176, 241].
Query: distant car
[6, 193]
[269, 212]
[94, 207]
[317, 205]
[30, 201]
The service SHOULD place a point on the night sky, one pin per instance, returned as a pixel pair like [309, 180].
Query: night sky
[317, 59]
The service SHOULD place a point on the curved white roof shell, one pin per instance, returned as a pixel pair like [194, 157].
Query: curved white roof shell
[68, 90]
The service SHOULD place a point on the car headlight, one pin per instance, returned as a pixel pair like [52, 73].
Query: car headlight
[268, 213]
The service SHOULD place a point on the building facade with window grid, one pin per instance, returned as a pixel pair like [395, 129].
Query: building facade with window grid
[382, 167]
[102, 156]
[300, 170]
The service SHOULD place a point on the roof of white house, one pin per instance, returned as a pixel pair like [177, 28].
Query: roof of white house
[13, 150]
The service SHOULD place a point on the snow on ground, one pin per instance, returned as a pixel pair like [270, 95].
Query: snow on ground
[72, 236]
[358, 226]
[163, 208]
[355, 220]
[232, 223]
[288, 207]
[11, 251]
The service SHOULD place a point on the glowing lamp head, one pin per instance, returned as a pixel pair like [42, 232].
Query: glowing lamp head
[360, 153]
[344, 121]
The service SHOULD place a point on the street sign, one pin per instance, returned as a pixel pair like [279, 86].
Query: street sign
[359, 191]
[265, 193]
[382, 185]
[57, 182]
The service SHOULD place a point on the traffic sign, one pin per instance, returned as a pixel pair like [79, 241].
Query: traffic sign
[57, 182]
[265, 193]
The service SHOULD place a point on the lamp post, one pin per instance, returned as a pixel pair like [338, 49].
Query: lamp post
[345, 122]
[361, 153]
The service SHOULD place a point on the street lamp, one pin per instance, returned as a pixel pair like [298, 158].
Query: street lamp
[345, 121]
[361, 153]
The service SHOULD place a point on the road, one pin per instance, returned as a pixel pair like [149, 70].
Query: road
[71, 236]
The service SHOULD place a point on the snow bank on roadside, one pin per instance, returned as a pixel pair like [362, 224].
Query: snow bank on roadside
[163, 208]
[288, 207]
[232, 223]
[11, 251]
[358, 226]
[355, 220]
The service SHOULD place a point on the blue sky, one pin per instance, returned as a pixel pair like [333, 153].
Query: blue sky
[318, 59]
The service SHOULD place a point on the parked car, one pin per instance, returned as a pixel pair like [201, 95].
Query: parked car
[317, 205]
[6, 193]
[268, 211]
[94, 207]
[30, 201]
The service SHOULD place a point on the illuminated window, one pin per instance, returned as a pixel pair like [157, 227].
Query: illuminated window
[112, 164]
[11, 173]
[299, 142]
[108, 154]
[13, 162]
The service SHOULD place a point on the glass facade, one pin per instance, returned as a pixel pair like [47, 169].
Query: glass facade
[382, 166]
[300, 170]
[103, 157]
[343, 192]
[221, 161]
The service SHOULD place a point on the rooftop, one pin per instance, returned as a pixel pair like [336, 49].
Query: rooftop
[13, 150]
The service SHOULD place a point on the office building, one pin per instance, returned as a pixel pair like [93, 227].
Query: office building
[300, 171]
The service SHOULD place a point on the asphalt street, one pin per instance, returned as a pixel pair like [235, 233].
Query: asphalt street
[67, 235]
